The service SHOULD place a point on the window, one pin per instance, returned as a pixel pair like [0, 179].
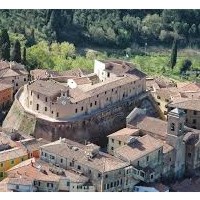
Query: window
[22, 159]
[79, 167]
[90, 104]
[112, 90]
[82, 108]
[105, 92]
[37, 107]
[49, 184]
[99, 175]
[142, 174]
[57, 114]
[120, 142]
[106, 176]
[95, 103]
[46, 99]
[108, 186]
[68, 183]
[117, 182]
[151, 177]
[112, 148]
[38, 96]
[112, 140]
[185, 111]
[16, 84]
[147, 158]
[76, 110]
[172, 127]
[61, 160]
[158, 97]
[116, 92]
[45, 155]
[1, 165]
[107, 98]
[90, 171]
[97, 95]
[138, 162]
[108, 74]
[166, 100]
[194, 121]
[39, 183]
[189, 155]
[158, 103]
[24, 79]
[12, 162]
[170, 159]
[45, 108]
[52, 112]
[180, 127]
[1, 174]
[195, 112]
[52, 157]
[111, 184]
[13, 81]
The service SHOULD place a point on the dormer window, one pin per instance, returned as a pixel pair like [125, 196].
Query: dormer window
[172, 127]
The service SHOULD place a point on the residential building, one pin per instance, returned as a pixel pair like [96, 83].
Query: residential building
[13, 73]
[191, 107]
[45, 177]
[10, 158]
[6, 95]
[106, 172]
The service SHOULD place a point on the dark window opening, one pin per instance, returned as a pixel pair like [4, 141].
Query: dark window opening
[45, 108]
[37, 107]
[172, 126]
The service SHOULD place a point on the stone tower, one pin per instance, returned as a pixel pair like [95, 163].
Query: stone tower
[175, 134]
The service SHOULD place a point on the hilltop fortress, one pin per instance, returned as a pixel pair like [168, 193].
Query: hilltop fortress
[79, 106]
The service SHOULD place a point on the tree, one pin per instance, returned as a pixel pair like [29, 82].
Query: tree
[24, 56]
[185, 66]
[16, 52]
[4, 45]
[31, 39]
[173, 54]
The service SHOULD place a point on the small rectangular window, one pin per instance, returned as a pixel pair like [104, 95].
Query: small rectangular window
[46, 99]
[95, 103]
[45, 108]
[82, 108]
[76, 110]
[90, 104]
[112, 140]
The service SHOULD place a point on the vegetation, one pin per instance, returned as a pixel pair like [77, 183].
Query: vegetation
[57, 39]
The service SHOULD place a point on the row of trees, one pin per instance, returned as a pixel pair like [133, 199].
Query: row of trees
[14, 54]
[110, 28]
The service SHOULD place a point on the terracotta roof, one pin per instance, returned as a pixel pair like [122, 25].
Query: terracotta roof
[4, 86]
[76, 72]
[190, 87]
[33, 144]
[40, 170]
[168, 93]
[157, 127]
[151, 84]
[123, 134]
[13, 153]
[107, 85]
[140, 147]
[186, 103]
[49, 88]
[101, 161]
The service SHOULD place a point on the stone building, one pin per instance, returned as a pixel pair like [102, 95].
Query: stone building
[13, 73]
[192, 109]
[6, 95]
[38, 176]
[79, 96]
[106, 172]
[165, 149]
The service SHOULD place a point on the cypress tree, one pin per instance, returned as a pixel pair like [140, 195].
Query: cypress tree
[16, 52]
[24, 56]
[173, 54]
[4, 45]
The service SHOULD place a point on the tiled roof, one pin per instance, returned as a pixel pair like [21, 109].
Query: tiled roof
[123, 134]
[40, 170]
[186, 103]
[140, 147]
[4, 86]
[157, 127]
[13, 153]
[33, 144]
[102, 162]
[49, 88]
[190, 87]
[168, 93]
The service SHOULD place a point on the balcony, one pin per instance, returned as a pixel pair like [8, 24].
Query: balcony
[145, 174]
